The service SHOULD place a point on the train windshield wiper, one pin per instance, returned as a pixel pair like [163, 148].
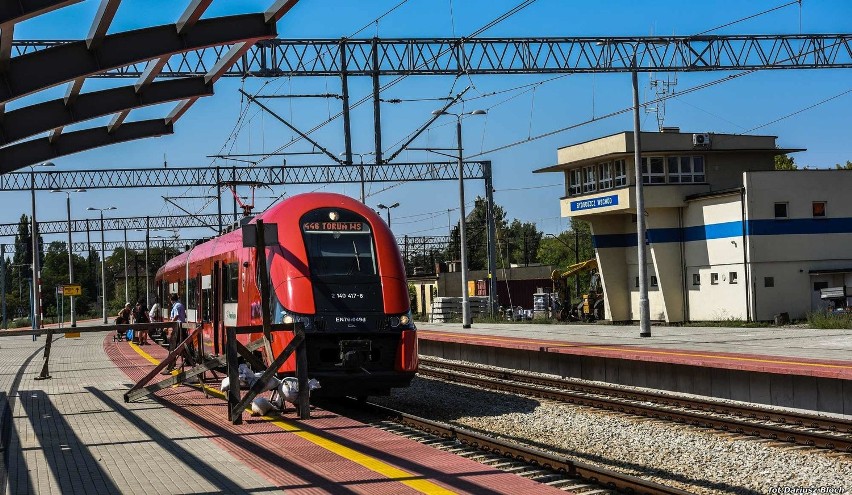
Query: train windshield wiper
[357, 257]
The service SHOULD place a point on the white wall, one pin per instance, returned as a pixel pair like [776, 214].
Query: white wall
[801, 243]
[721, 256]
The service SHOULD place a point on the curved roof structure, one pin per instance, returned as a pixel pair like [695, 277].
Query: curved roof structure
[73, 62]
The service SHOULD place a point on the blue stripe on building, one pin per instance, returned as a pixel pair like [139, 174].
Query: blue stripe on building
[613, 240]
[793, 226]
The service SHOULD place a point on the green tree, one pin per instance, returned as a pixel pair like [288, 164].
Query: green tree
[569, 247]
[477, 235]
[785, 162]
[524, 240]
[20, 270]
[848, 166]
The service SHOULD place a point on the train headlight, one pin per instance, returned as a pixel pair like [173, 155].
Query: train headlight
[403, 321]
[288, 318]
[333, 216]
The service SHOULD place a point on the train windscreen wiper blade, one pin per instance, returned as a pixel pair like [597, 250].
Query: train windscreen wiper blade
[357, 257]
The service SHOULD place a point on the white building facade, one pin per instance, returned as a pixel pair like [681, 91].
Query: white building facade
[728, 237]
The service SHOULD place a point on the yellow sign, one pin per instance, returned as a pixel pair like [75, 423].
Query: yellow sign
[72, 290]
[72, 335]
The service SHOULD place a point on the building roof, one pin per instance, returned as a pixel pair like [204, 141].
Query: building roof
[620, 145]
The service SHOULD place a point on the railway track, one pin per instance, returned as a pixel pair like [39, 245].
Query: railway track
[555, 470]
[798, 428]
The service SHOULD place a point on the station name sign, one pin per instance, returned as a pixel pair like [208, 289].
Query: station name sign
[590, 204]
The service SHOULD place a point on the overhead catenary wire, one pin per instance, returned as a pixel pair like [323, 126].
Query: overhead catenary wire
[794, 2]
[801, 110]
[613, 114]
[524, 4]
[366, 98]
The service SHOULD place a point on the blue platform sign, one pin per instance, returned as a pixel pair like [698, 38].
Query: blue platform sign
[589, 204]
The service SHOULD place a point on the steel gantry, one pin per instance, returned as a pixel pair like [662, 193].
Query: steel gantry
[526, 55]
[217, 177]
[213, 176]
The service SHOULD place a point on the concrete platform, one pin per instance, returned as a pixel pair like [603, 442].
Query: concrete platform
[74, 434]
[791, 367]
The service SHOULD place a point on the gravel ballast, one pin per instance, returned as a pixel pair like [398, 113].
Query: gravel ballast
[691, 458]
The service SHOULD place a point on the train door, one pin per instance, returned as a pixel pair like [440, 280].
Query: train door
[217, 305]
[160, 292]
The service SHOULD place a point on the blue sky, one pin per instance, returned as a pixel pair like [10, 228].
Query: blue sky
[731, 107]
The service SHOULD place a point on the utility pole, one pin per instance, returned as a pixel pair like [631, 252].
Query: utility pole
[36, 292]
[3, 280]
[491, 230]
[126, 279]
[644, 307]
[576, 258]
[148, 247]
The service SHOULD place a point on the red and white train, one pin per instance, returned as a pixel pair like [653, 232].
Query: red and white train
[336, 268]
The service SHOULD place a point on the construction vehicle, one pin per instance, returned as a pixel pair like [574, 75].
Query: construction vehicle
[591, 305]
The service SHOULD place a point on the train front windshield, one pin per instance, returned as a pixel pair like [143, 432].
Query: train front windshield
[334, 253]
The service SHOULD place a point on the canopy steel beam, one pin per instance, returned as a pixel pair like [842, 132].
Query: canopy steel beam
[100, 24]
[42, 117]
[66, 62]
[21, 10]
[527, 55]
[207, 176]
[190, 16]
[36, 150]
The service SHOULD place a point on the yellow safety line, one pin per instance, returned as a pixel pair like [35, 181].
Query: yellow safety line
[645, 351]
[371, 463]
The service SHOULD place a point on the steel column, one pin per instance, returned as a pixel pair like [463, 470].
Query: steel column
[344, 84]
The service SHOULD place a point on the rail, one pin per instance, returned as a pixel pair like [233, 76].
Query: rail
[784, 426]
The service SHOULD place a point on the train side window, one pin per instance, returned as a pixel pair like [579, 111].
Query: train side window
[232, 282]
[192, 294]
[181, 284]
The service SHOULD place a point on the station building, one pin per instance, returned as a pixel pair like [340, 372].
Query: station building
[728, 237]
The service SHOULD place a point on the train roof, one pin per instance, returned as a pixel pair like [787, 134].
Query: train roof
[286, 210]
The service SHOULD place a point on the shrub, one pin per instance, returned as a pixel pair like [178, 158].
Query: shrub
[830, 320]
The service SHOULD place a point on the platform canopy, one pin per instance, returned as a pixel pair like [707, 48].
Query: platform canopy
[100, 52]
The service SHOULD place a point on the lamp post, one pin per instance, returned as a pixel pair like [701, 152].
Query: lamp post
[103, 273]
[466, 317]
[36, 290]
[388, 208]
[70, 246]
